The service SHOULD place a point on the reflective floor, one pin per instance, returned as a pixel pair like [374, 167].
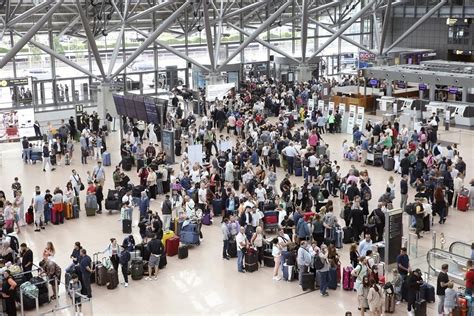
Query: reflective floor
[204, 283]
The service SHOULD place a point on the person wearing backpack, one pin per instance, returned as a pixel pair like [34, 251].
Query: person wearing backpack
[318, 230]
[53, 271]
[379, 220]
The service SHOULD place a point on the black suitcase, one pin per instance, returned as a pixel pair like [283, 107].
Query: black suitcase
[420, 308]
[236, 184]
[232, 249]
[112, 205]
[126, 226]
[389, 164]
[426, 223]
[137, 269]
[251, 261]
[217, 206]
[182, 252]
[163, 261]
[307, 281]
[268, 260]
[127, 163]
[348, 234]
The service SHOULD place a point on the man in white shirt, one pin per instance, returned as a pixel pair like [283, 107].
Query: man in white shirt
[261, 196]
[241, 240]
[313, 162]
[290, 153]
[189, 206]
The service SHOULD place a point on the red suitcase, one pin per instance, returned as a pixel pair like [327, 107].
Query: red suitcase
[12, 131]
[172, 246]
[463, 203]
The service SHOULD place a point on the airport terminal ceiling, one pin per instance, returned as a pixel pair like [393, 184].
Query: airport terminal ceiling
[178, 22]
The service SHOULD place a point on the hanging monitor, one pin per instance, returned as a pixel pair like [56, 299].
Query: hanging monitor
[140, 107]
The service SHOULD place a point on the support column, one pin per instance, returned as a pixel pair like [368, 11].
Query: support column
[432, 92]
[465, 90]
[389, 88]
[105, 100]
[303, 73]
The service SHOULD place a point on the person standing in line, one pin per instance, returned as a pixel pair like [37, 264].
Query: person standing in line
[469, 277]
[167, 210]
[26, 260]
[85, 267]
[38, 202]
[242, 242]
[124, 260]
[155, 248]
[414, 283]
[324, 271]
[403, 191]
[47, 158]
[303, 259]
[441, 285]
[225, 238]
[8, 293]
[375, 299]
[365, 245]
[99, 173]
[403, 263]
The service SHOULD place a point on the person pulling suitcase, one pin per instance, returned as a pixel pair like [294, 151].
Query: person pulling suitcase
[124, 260]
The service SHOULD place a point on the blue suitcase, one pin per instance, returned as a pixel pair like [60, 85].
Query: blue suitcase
[217, 206]
[189, 234]
[427, 292]
[332, 279]
[298, 171]
[106, 159]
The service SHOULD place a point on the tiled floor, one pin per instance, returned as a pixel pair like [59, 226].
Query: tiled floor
[204, 283]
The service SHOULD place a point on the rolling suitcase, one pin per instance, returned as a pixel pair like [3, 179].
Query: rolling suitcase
[420, 308]
[189, 235]
[426, 223]
[91, 205]
[182, 252]
[172, 246]
[307, 281]
[163, 262]
[427, 292]
[232, 249]
[389, 164]
[206, 219]
[137, 269]
[332, 284]
[29, 217]
[68, 211]
[347, 279]
[127, 163]
[126, 226]
[106, 161]
[251, 261]
[167, 235]
[390, 303]
[52, 158]
[348, 235]
[268, 260]
[100, 274]
[338, 237]
[298, 172]
[112, 278]
[217, 206]
[463, 203]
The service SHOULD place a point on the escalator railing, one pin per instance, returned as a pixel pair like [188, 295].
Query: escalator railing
[457, 264]
[461, 248]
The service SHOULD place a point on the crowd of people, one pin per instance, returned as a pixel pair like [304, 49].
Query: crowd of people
[272, 131]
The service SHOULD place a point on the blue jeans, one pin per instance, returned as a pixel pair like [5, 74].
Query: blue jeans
[284, 256]
[324, 281]
[240, 260]
[26, 154]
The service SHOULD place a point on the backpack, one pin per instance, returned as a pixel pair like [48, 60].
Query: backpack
[320, 196]
[318, 263]
[366, 193]
[377, 218]
[410, 209]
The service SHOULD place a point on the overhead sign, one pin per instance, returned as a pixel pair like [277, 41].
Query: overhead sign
[13, 82]
[366, 56]
[218, 91]
[422, 87]
[373, 82]
[453, 90]
[167, 143]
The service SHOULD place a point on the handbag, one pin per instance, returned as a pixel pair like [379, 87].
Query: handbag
[82, 187]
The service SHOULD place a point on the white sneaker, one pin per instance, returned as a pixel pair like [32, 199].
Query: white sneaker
[398, 302]
[156, 278]
[278, 278]
[147, 278]
[126, 284]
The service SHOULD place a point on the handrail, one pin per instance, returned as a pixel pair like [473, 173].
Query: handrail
[463, 244]
[456, 263]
